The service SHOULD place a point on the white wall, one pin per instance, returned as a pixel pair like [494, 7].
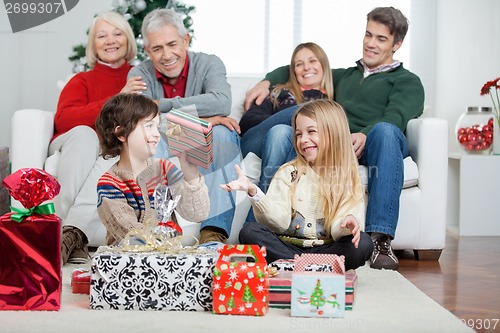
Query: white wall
[32, 61]
[467, 55]
[457, 50]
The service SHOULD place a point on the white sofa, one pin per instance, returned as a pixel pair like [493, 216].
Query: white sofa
[422, 220]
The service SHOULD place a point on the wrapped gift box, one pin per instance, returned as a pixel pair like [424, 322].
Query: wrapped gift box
[30, 245]
[316, 293]
[241, 287]
[151, 280]
[280, 289]
[4, 172]
[80, 281]
[190, 134]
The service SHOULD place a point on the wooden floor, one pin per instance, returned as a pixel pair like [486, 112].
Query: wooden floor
[465, 280]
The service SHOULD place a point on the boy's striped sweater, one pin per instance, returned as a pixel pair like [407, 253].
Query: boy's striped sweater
[125, 203]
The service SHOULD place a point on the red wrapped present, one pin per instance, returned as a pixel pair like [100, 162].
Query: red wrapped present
[241, 287]
[30, 244]
[4, 172]
[190, 134]
[80, 281]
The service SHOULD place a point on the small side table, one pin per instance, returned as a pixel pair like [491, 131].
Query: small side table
[473, 207]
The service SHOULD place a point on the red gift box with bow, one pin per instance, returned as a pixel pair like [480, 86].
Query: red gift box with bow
[30, 244]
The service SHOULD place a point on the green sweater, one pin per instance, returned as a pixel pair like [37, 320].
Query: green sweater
[394, 97]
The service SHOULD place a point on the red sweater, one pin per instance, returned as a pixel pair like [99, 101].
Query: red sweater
[83, 96]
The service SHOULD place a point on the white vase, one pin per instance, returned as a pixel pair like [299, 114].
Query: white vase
[496, 137]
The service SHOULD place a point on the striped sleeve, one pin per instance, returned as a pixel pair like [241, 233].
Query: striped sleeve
[117, 212]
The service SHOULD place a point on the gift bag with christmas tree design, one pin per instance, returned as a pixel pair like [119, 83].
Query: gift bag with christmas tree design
[241, 281]
[318, 294]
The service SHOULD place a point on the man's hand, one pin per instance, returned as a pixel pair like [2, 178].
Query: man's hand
[226, 121]
[258, 93]
[358, 143]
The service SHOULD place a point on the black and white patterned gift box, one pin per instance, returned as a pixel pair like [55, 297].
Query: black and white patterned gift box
[151, 281]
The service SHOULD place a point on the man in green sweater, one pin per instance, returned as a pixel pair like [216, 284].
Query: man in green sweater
[379, 97]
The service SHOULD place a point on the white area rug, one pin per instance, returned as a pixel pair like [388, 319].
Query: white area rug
[385, 301]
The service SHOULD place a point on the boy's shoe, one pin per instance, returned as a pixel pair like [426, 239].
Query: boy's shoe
[383, 256]
[212, 234]
[73, 245]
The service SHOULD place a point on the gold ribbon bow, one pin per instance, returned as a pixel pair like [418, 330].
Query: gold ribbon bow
[175, 131]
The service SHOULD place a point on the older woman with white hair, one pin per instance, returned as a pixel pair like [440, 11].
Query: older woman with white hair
[111, 45]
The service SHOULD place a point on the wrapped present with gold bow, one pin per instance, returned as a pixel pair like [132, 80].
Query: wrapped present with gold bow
[147, 271]
[185, 132]
[30, 244]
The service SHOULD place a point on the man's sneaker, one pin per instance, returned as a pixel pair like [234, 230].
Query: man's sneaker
[383, 256]
[73, 242]
[79, 256]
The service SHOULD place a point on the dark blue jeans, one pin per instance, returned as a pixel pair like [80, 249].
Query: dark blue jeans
[386, 147]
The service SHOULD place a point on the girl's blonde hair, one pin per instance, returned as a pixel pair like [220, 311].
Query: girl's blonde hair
[293, 84]
[336, 164]
[117, 20]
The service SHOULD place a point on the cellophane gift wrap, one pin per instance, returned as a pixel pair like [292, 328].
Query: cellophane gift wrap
[30, 244]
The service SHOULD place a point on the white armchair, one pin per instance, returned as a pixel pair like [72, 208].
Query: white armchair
[422, 217]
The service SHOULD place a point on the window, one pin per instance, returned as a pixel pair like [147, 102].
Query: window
[254, 37]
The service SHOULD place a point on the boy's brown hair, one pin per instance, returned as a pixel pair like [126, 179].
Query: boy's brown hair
[123, 111]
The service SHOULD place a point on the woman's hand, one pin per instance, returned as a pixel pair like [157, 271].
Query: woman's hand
[350, 222]
[258, 94]
[190, 171]
[134, 85]
[240, 184]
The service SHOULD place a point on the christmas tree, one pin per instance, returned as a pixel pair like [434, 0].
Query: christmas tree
[248, 297]
[135, 11]
[230, 303]
[317, 298]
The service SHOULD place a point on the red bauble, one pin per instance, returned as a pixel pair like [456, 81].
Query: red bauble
[473, 139]
[488, 137]
[462, 138]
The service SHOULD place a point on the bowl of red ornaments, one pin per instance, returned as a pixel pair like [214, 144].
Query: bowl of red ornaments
[474, 130]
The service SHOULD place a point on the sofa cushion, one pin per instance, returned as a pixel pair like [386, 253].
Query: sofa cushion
[251, 166]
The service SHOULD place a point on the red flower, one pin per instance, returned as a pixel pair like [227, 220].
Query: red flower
[485, 90]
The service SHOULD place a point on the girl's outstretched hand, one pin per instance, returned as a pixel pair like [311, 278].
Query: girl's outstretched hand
[240, 184]
[350, 222]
